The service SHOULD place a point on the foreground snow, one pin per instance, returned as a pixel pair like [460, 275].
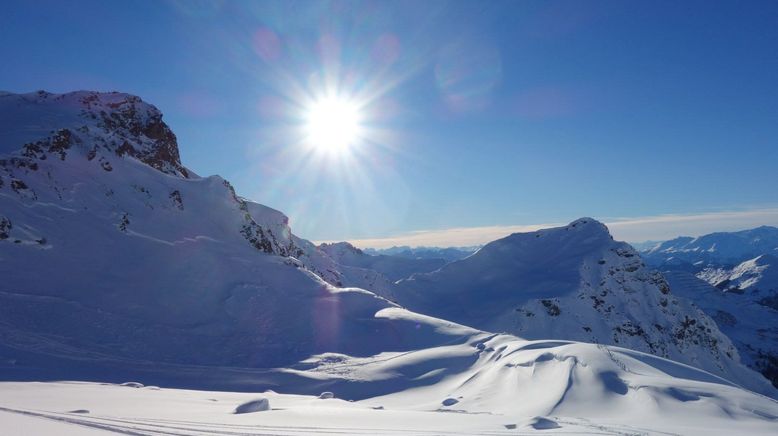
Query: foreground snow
[488, 384]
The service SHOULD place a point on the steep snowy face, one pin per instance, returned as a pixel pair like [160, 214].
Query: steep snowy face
[97, 125]
[110, 249]
[574, 282]
[723, 248]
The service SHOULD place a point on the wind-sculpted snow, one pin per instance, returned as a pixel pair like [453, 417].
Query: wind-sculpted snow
[479, 384]
[576, 283]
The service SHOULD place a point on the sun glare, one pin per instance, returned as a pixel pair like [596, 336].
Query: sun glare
[332, 124]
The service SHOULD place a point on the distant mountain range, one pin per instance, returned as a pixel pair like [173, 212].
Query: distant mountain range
[448, 254]
[721, 248]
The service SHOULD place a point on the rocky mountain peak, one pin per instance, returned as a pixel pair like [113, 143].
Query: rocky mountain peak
[39, 124]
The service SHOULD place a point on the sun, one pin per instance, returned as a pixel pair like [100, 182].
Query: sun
[332, 124]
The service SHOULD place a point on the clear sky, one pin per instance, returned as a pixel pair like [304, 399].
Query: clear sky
[474, 116]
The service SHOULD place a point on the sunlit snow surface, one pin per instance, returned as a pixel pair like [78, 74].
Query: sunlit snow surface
[498, 385]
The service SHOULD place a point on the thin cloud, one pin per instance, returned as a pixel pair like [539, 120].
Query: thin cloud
[662, 227]
[637, 229]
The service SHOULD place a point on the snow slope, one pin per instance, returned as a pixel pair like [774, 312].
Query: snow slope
[577, 283]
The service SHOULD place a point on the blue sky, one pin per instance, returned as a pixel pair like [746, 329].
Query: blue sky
[481, 115]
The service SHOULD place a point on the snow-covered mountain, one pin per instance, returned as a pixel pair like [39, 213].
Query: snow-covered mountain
[577, 283]
[721, 248]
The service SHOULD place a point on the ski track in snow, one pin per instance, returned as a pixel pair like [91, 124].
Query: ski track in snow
[147, 426]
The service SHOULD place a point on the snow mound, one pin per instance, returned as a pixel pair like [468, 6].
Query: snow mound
[258, 405]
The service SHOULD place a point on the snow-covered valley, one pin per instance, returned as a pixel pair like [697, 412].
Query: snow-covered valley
[120, 264]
